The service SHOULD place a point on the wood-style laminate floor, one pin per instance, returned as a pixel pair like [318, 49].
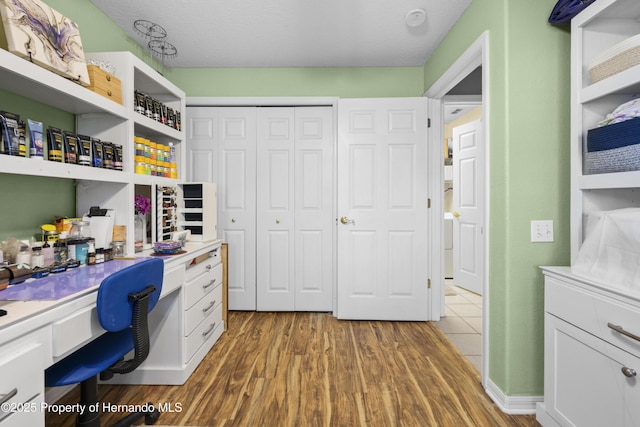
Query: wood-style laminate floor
[310, 369]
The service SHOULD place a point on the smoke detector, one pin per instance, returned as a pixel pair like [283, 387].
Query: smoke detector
[416, 17]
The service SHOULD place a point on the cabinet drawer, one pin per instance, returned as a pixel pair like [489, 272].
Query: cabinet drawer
[22, 375]
[202, 285]
[210, 328]
[203, 263]
[33, 418]
[592, 313]
[201, 309]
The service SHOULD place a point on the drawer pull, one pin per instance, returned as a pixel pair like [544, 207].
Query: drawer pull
[7, 397]
[204, 310]
[211, 283]
[208, 331]
[209, 267]
[621, 330]
[628, 372]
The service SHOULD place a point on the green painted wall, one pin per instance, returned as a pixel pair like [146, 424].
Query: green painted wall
[28, 201]
[342, 82]
[528, 110]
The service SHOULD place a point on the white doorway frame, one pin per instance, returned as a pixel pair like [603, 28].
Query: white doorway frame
[475, 56]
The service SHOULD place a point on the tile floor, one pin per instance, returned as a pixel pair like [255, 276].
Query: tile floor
[463, 321]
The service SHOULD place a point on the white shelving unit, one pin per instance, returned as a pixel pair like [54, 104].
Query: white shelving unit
[592, 344]
[599, 27]
[102, 118]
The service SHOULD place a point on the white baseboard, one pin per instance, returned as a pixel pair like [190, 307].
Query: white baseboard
[512, 405]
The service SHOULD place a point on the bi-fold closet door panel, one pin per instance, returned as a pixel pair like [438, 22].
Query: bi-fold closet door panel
[236, 174]
[275, 221]
[294, 209]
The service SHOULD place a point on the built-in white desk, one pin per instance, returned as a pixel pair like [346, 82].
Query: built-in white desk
[184, 325]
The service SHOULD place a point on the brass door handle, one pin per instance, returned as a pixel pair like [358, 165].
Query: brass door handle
[456, 214]
[346, 220]
[233, 220]
[277, 221]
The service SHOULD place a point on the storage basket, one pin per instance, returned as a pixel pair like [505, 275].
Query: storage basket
[620, 57]
[613, 148]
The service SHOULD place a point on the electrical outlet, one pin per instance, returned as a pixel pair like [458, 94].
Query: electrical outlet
[542, 231]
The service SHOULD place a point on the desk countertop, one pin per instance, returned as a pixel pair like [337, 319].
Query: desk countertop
[38, 295]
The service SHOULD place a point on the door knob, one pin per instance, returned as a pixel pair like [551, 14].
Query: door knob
[346, 220]
[628, 372]
[456, 214]
[233, 220]
[277, 221]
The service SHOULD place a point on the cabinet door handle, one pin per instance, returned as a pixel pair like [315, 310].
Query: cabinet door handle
[204, 310]
[208, 331]
[211, 283]
[621, 330]
[628, 372]
[7, 397]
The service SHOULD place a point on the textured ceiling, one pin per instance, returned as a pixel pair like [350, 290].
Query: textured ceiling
[291, 33]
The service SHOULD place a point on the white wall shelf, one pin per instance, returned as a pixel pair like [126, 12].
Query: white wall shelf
[34, 82]
[599, 27]
[102, 118]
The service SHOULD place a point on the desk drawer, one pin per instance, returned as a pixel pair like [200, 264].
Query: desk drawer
[201, 309]
[592, 313]
[207, 330]
[173, 279]
[76, 329]
[202, 285]
[21, 370]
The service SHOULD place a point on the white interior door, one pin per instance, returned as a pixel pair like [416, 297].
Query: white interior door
[314, 217]
[275, 209]
[468, 206]
[237, 201]
[382, 205]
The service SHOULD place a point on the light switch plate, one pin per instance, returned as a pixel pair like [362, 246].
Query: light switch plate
[542, 231]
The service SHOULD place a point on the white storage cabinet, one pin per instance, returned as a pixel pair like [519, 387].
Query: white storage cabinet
[22, 385]
[590, 367]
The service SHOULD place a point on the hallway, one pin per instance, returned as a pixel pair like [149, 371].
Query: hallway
[463, 322]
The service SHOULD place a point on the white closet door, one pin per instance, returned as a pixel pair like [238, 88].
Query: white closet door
[275, 209]
[237, 201]
[201, 144]
[314, 219]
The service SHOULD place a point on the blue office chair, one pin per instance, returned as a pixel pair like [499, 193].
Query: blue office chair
[124, 300]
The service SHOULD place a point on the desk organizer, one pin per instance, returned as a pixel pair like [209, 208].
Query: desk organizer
[105, 84]
[613, 148]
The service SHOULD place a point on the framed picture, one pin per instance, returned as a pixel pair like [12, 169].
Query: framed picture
[35, 31]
